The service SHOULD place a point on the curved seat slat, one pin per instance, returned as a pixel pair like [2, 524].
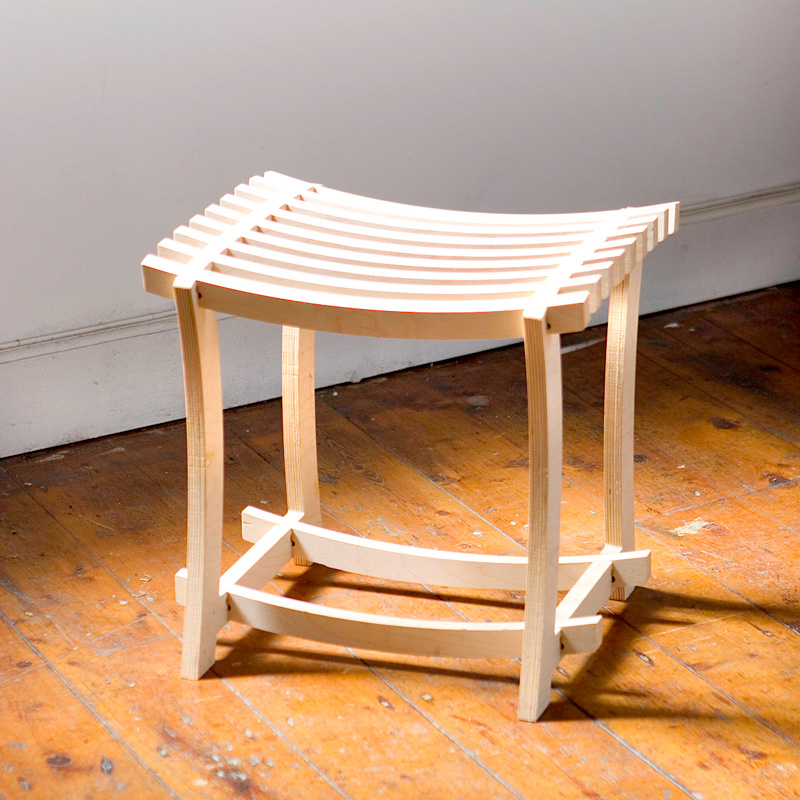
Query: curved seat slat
[665, 213]
[281, 238]
[456, 220]
[312, 208]
[357, 203]
[223, 214]
[194, 236]
[345, 200]
[241, 205]
[397, 284]
[444, 263]
[336, 299]
[365, 315]
[286, 242]
[351, 229]
[264, 258]
[400, 286]
[208, 224]
[279, 235]
[180, 252]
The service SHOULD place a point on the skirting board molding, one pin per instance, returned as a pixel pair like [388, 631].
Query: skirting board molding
[77, 338]
[93, 381]
[786, 194]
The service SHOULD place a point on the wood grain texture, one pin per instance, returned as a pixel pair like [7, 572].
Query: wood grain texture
[559, 269]
[695, 427]
[693, 691]
[106, 640]
[540, 646]
[205, 609]
[618, 440]
[300, 425]
[660, 486]
[420, 282]
[715, 360]
[38, 760]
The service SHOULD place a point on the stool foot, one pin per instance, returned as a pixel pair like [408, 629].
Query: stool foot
[533, 700]
[199, 645]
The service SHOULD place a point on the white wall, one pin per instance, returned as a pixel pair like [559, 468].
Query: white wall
[121, 120]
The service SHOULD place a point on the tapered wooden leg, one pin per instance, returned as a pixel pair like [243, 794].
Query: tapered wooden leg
[300, 426]
[540, 645]
[623, 322]
[205, 611]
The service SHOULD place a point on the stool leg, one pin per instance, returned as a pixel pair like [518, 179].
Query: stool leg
[300, 426]
[205, 610]
[540, 645]
[623, 320]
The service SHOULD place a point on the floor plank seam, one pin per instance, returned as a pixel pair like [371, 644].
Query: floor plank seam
[630, 748]
[757, 717]
[99, 561]
[90, 708]
[683, 509]
[421, 474]
[749, 496]
[744, 413]
[716, 577]
[107, 570]
[23, 672]
[738, 335]
[279, 733]
[464, 749]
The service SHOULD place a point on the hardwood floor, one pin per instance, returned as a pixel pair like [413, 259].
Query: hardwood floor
[695, 691]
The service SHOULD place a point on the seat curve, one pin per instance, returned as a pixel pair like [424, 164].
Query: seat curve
[285, 251]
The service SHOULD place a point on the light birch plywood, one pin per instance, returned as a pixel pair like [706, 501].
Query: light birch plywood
[311, 258]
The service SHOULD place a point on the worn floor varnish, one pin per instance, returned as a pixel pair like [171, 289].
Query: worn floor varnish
[695, 691]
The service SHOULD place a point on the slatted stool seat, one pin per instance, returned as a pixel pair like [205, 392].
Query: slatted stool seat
[313, 259]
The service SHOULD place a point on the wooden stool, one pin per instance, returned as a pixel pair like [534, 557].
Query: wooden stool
[311, 258]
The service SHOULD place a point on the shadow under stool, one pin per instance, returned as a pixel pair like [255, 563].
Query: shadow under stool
[310, 258]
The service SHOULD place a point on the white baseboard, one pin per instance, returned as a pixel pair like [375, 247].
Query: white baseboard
[83, 383]
[785, 194]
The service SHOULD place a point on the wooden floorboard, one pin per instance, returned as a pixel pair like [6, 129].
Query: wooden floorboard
[695, 691]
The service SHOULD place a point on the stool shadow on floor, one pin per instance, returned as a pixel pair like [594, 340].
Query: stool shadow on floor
[651, 635]
[615, 682]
